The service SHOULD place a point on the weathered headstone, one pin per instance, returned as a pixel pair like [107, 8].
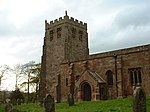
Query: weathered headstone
[14, 101]
[40, 103]
[139, 100]
[19, 101]
[70, 99]
[8, 107]
[109, 94]
[49, 104]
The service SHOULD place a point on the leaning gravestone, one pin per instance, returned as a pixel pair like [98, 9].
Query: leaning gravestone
[49, 104]
[70, 99]
[139, 100]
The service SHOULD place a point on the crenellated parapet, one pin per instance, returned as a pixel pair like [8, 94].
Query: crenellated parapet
[65, 19]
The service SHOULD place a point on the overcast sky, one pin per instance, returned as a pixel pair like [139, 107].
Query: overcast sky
[112, 24]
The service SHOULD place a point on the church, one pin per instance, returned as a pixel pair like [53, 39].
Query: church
[68, 68]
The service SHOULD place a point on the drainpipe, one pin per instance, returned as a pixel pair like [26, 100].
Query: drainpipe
[116, 75]
[123, 83]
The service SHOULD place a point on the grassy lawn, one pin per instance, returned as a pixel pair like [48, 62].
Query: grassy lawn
[116, 105]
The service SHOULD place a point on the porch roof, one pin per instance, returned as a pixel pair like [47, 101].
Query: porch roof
[96, 76]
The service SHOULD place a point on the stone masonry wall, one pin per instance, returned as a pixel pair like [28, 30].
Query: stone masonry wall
[101, 63]
[61, 45]
[66, 42]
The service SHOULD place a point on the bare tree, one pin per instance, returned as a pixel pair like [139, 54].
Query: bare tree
[17, 70]
[3, 70]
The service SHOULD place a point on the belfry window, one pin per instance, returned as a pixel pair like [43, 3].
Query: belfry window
[51, 35]
[80, 35]
[109, 77]
[135, 76]
[59, 32]
[73, 32]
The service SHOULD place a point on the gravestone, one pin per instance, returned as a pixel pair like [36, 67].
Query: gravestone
[8, 107]
[109, 94]
[49, 104]
[70, 99]
[14, 101]
[139, 100]
[19, 101]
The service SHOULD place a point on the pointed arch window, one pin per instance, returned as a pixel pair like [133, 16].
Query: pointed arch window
[109, 77]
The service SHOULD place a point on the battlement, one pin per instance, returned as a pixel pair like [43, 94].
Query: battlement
[65, 19]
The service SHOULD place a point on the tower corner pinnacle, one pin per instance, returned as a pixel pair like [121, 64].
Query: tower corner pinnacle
[66, 13]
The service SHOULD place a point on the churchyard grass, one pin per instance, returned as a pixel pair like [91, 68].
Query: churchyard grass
[31, 107]
[148, 104]
[1, 108]
[116, 105]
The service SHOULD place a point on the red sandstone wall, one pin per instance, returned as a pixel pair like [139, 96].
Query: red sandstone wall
[101, 63]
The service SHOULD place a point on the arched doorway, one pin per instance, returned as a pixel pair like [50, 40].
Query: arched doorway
[86, 90]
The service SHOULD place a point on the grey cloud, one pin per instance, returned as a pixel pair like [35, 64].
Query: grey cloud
[25, 48]
[131, 27]
[135, 16]
[33, 27]
[6, 27]
[113, 39]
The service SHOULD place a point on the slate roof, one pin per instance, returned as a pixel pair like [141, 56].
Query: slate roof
[96, 76]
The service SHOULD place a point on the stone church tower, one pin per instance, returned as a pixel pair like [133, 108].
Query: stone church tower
[65, 40]
[67, 68]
